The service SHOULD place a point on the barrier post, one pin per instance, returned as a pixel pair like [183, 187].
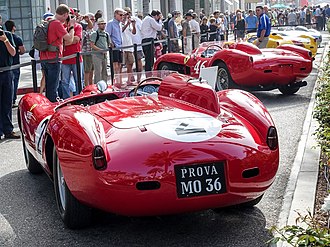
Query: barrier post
[207, 36]
[111, 65]
[34, 75]
[182, 41]
[193, 41]
[78, 72]
[168, 44]
[136, 58]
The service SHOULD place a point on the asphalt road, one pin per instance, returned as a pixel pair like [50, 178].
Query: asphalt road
[29, 217]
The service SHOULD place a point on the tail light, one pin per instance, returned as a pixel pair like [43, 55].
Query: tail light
[99, 160]
[272, 138]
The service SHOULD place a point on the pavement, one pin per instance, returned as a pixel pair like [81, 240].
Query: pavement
[300, 192]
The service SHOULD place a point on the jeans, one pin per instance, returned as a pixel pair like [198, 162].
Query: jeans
[66, 76]
[52, 76]
[16, 74]
[6, 101]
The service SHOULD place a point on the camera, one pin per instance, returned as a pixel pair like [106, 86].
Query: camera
[1, 32]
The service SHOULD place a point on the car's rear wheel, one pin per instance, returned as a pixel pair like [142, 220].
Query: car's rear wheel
[74, 214]
[224, 80]
[288, 90]
[31, 163]
[165, 66]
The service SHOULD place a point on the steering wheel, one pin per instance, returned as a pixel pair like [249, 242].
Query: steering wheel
[207, 48]
[145, 80]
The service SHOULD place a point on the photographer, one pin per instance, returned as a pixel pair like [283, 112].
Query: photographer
[57, 33]
[128, 30]
[69, 65]
[7, 51]
[150, 25]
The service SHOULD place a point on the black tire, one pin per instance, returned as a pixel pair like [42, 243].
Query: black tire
[224, 80]
[74, 214]
[288, 90]
[165, 66]
[31, 163]
[248, 204]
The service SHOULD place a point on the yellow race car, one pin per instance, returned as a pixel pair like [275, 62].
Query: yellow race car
[283, 37]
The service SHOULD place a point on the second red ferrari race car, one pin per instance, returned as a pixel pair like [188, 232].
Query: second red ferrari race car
[243, 65]
[179, 147]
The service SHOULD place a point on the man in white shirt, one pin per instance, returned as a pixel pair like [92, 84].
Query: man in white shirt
[128, 29]
[195, 29]
[136, 37]
[150, 25]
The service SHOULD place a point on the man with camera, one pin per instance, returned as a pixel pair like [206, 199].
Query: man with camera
[7, 51]
[151, 24]
[57, 34]
[69, 65]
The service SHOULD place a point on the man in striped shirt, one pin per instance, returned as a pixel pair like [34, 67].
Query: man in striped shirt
[264, 27]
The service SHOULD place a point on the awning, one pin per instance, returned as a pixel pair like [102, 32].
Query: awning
[229, 2]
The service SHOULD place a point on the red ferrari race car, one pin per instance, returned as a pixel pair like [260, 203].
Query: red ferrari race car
[167, 145]
[245, 66]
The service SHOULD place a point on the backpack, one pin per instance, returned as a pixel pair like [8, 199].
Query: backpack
[98, 37]
[40, 38]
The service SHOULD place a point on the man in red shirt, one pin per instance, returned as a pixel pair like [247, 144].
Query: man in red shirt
[69, 65]
[56, 34]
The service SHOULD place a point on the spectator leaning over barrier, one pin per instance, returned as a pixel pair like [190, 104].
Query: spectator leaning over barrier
[69, 65]
[173, 32]
[100, 40]
[150, 25]
[128, 29]
[186, 33]
[20, 50]
[7, 51]
[115, 32]
[86, 47]
[264, 28]
[57, 34]
[251, 22]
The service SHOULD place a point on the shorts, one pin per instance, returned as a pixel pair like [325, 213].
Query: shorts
[240, 34]
[88, 63]
[128, 57]
[139, 54]
[117, 56]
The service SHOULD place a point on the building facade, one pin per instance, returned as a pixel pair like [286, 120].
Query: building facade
[28, 13]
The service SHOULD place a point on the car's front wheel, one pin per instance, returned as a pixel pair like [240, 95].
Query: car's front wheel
[224, 80]
[31, 163]
[288, 90]
[74, 214]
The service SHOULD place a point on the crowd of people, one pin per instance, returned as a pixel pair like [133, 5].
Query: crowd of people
[70, 32]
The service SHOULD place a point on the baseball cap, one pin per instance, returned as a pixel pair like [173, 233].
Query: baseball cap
[47, 16]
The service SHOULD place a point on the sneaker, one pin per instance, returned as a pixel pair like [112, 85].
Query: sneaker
[12, 135]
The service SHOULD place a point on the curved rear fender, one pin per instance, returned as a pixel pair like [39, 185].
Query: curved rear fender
[305, 53]
[75, 132]
[248, 107]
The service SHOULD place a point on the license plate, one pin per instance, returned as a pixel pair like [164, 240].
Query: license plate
[200, 179]
[286, 69]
